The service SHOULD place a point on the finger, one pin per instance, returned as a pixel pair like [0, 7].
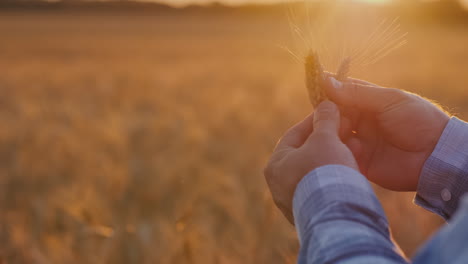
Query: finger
[327, 118]
[360, 148]
[348, 79]
[350, 113]
[367, 128]
[355, 145]
[363, 97]
[357, 148]
[363, 144]
[346, 128]
[296, 135]
[362, 82]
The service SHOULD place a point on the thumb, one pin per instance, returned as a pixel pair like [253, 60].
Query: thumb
[327, 118]
[363, 96]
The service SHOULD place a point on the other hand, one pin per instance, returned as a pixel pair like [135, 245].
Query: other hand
[310, 144]
[395, 131]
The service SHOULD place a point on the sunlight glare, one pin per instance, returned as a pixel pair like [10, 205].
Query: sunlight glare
[464, 3]
[374, 1]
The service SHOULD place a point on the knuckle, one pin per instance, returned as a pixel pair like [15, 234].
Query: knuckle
[397, 94]
[327, 105]
[280, 204]
[321, 123]
[396, 97]
[325, 137]
[353, 89]
[321, 134]
[326, 110]
[291, 131]
[267, 171]
[277, 202]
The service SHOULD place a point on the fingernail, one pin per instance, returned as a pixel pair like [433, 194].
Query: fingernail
[335, 83]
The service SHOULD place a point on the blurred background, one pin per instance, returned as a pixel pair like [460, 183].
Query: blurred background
[137, 132]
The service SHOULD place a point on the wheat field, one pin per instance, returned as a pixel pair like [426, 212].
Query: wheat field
[141, 138]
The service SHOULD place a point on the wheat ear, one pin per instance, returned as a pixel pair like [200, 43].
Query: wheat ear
[344, 69]
[314, 78]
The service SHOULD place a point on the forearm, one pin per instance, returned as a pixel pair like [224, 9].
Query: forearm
[444, 177]
[340, 220]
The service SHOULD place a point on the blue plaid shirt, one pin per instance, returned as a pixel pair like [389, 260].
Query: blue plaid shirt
[339, 219]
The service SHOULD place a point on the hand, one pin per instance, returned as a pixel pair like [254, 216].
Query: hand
[310, 144]
[395, 131]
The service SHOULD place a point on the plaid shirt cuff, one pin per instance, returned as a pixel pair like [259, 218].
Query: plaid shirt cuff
[444, 177]
[335, 191]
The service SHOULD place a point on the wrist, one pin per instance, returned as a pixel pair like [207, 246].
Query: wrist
[331, 186]
[439, 128]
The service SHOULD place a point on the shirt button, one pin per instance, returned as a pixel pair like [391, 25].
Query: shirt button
[446, 195]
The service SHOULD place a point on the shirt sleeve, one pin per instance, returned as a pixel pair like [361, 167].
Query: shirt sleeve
[444, 177]
[449, 244]
[339, 219]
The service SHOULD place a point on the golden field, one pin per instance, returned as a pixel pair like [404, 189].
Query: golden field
[130, 138]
